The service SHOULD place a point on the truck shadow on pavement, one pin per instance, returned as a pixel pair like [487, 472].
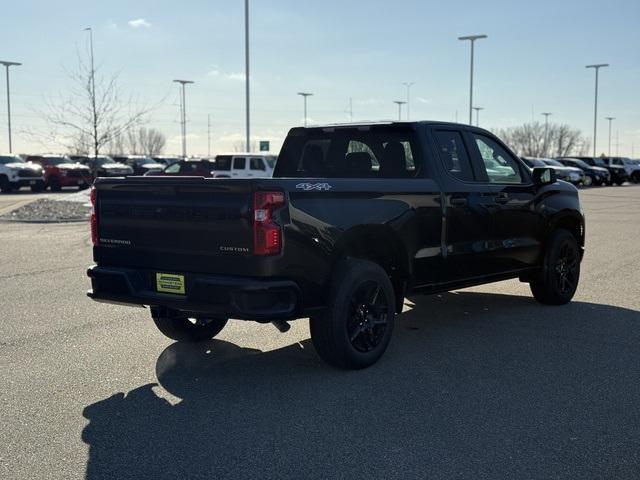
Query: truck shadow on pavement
[472, 386]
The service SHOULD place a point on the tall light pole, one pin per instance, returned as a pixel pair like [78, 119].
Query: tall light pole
[546, 130]
[304, 96]
[399, 103]
[597, 68]
[408, 85]
[472, 39]
[611, 119]
[183, 112]
[477, 109]
[246, 68]
[6, 66]
[349, 109]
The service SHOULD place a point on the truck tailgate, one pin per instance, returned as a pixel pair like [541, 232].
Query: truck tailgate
[178, 224]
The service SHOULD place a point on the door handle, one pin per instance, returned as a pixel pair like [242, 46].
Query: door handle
[458, 202]
[502, 199]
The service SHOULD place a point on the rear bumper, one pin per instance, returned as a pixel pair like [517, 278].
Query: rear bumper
[235, 297]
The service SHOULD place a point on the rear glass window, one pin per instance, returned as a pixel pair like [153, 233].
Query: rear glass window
[367, 152]
[223, 162]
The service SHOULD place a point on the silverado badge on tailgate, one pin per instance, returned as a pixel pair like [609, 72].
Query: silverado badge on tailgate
[168, 283]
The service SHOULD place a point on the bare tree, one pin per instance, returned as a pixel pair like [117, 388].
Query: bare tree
[88, 119]
[145, 141]
[539, 140]
[240, 146]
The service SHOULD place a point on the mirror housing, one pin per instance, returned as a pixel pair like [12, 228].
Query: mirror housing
[544, 176]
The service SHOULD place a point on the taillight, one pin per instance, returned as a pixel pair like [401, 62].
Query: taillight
[267, 235]
[94, 216]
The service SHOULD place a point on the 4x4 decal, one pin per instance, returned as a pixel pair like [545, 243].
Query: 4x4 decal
[313, 186]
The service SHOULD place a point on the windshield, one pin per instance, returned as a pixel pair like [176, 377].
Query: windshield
[579, 163]
[599, 162]
[555, 163]
[56, 160]
[104, 161]
[4, 160]
[534, 162]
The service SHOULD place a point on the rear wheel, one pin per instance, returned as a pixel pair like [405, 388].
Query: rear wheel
[356, 329]
[190, 330]
[619, 182]
[558, 281]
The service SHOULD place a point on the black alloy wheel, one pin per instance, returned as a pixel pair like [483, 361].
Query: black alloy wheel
[368, 316]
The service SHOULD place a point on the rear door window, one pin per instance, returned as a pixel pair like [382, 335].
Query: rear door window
[453, 155]
[239, 163]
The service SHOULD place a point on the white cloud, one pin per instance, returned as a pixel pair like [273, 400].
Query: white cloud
[240, 77]
[213, 73]
[139, 23]
[426, 101]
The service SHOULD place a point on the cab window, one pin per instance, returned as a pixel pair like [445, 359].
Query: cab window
[256, 164]
[453, 155]
[173, 168]
[499, 165]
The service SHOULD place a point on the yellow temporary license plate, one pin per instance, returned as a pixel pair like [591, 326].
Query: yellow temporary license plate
[169, 283]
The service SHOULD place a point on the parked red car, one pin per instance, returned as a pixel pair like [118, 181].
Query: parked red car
[187, 168]
[60, 171]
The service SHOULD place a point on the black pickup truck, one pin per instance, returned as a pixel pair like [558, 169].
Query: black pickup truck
[355, 218]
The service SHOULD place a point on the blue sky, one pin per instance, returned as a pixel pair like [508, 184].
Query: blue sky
[533, 61]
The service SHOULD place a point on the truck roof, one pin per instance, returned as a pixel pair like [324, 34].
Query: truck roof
[381, 123]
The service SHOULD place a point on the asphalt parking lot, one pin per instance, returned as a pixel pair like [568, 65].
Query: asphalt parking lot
[478, 383]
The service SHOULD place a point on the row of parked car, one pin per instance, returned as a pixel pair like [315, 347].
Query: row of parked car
[588, 171]
[40, 172]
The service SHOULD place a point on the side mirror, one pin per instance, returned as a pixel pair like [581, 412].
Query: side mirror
[544, 176]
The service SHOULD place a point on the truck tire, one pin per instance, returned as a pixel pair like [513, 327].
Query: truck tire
[54, 184]
[38, 187]
[619, 181]
[557, 282]
[357, 326]
[5, 185]
[183, 329]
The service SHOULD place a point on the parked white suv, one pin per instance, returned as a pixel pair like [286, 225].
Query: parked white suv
[16, 173]
[244, 165]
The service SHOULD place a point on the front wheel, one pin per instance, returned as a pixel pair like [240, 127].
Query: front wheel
[189, 330]
[357, 326]
[557, 282]
[38, 187]
[588, 181]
